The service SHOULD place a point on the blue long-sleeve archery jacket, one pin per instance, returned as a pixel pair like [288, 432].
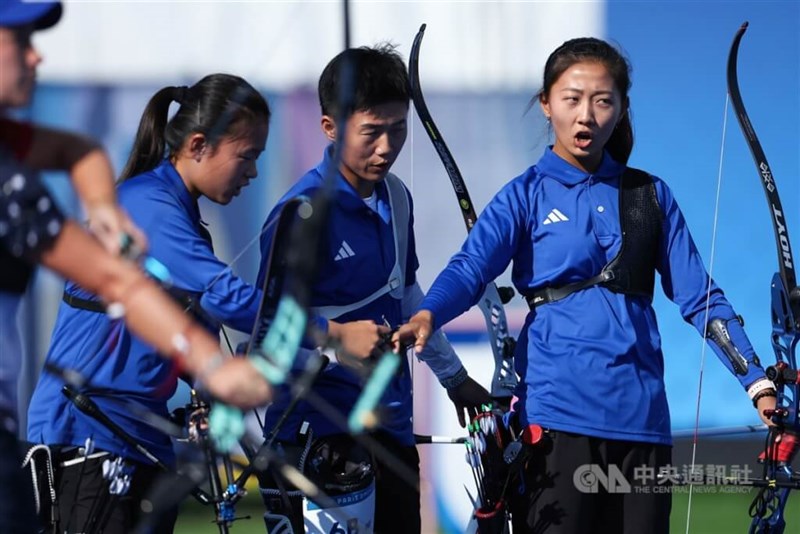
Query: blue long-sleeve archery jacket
[590, 363]
[125, 372]
[357, 257]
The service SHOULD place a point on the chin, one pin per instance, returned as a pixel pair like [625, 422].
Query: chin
[16, 100]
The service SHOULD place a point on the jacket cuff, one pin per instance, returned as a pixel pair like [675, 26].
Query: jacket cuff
[456, 380]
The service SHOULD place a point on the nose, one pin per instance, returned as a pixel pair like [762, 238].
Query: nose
[252, 171]
[586, 112]
[384, 145]
[391, 142]
[33, 57]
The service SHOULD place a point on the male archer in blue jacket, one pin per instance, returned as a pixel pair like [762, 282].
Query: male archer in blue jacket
[367, 275]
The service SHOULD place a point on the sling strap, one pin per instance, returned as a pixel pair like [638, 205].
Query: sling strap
[395, 285]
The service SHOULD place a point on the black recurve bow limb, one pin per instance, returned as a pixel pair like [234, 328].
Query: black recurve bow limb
[767, 510]
[504, 380]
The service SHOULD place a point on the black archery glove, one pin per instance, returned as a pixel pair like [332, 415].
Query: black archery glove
[467, 395]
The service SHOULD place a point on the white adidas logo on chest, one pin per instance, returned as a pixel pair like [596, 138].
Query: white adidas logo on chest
[345, 251]
[555, 216]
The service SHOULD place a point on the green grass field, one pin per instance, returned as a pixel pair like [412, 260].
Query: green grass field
[712, 512]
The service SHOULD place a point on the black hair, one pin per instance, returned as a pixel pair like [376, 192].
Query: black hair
[217, 106]
[590, 49]
[379, 76]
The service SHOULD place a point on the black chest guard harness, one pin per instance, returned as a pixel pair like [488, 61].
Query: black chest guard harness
[632, 271]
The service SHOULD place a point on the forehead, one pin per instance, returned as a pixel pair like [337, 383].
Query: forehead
[388, 113]
[250, 136]
[586, 72]
[16, 34]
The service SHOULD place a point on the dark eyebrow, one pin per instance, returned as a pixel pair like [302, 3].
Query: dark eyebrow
[576, 90]
[372, 125]
[567, 91]
[253, 150]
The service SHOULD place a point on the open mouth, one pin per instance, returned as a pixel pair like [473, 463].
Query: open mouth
[583, 139]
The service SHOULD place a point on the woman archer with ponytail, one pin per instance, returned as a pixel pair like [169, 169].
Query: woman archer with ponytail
[207, 149]
[586, 235]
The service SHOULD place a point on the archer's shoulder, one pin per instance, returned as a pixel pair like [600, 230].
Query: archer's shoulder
[530, 180]
[663, 191]
[307, 183]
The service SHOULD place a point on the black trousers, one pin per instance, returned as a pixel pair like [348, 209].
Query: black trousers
[585, 485]
[83, 493]
[397, 498]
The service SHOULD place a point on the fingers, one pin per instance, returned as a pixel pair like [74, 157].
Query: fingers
[766, 403]
[422, 339]
[461, 419]
[109, 223]
[139, 239]
[360, 338]
[239, 383]
[404, 334]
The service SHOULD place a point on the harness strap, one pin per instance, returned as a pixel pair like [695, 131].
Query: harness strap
[553, 294]
[395, 285]
[188, 300]
[632, 270]
[83, 304]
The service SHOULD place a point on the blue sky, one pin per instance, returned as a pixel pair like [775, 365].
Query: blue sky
[679, 53]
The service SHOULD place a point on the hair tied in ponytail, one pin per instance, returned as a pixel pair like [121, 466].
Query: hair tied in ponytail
[180, 94]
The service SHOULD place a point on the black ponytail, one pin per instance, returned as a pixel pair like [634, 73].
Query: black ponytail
[216, 107]
[148, 146]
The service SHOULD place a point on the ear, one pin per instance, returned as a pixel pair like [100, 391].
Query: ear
[196, 146]
[328, 127]
[545, 105]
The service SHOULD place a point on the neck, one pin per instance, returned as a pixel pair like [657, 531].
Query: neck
[588, 165]
[365, 188]
[182, 166]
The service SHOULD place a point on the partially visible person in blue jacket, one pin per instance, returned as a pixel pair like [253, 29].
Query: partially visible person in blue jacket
[34, 231]
[589, 354]
[207, 149]
[366, 284]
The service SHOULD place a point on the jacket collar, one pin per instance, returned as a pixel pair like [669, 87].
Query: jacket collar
[347, 197]
[169, 176]
[554, 166]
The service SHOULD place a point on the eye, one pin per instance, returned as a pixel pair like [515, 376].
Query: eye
[22, 37]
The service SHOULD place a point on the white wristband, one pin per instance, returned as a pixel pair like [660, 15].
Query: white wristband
[758, 386]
